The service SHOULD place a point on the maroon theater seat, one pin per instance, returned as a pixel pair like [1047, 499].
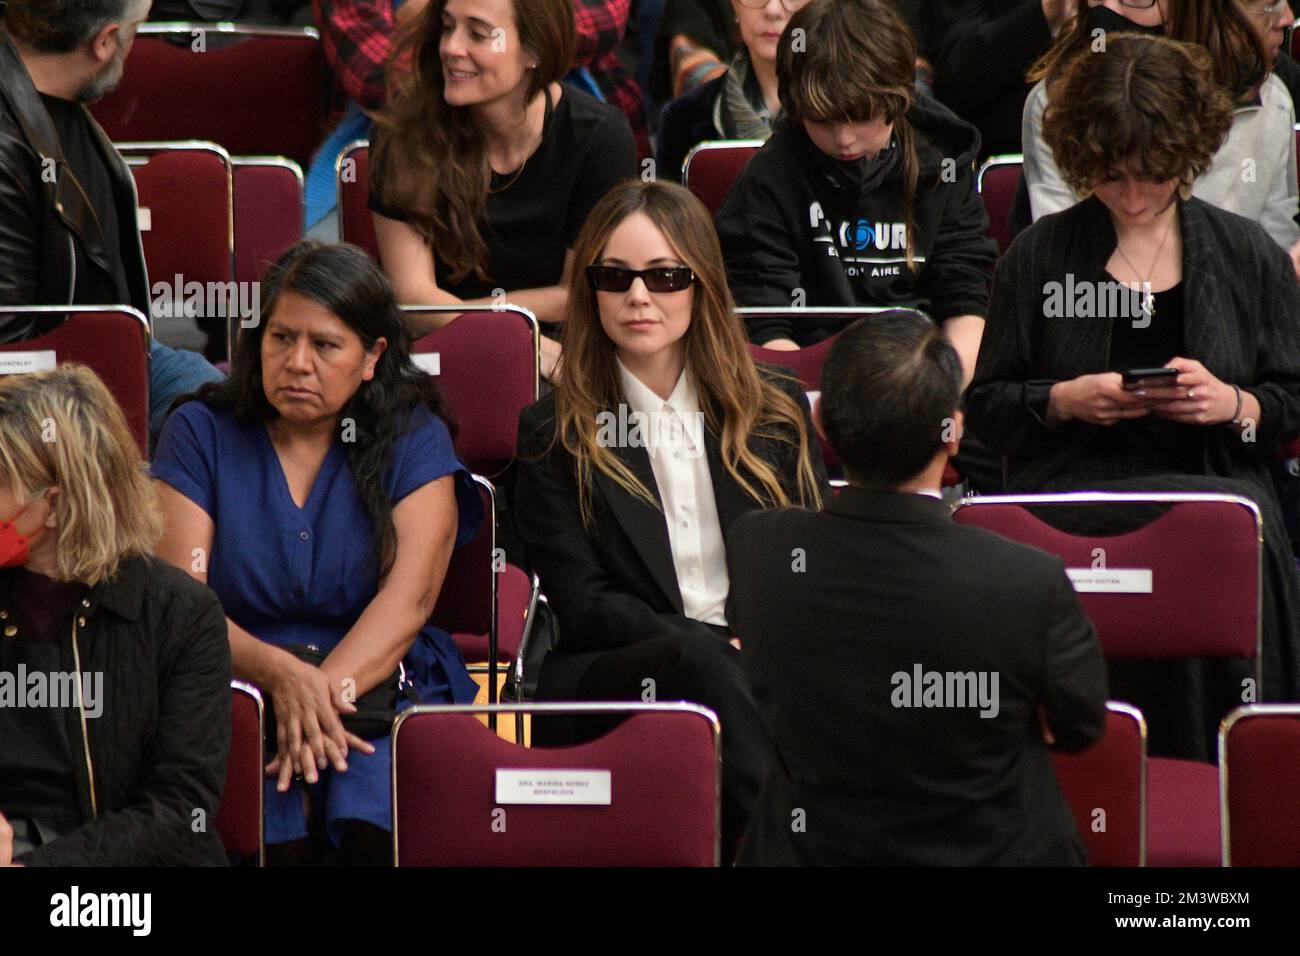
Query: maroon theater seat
[239, 820]
[1105, 786]
[452, 805]
[487, 363]
[1259, 764]
[186, 198]
[1203, 555]
[352, 170]
[268, 212]
[112, 340]
[258, 91]
[485, 604]
[998, 181]
[711, 167]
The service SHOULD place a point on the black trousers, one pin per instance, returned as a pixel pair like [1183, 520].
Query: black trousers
[698, 666]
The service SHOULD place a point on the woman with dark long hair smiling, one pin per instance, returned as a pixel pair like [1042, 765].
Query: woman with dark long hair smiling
[484, 164]
[317, 493]
[627, 526]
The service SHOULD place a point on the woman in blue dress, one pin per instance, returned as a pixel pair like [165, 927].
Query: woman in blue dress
[317, 493]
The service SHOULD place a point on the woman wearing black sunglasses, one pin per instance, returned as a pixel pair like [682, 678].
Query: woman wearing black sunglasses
[660, 433]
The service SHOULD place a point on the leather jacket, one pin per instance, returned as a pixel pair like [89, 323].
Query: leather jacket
[51, 248]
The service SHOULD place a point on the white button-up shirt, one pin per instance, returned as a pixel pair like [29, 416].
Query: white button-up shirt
[673, 433]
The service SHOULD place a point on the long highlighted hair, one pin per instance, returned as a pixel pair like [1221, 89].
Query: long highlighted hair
[64, 428]
[736, 400]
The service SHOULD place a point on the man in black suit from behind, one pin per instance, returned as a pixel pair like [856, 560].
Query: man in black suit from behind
[913, 671]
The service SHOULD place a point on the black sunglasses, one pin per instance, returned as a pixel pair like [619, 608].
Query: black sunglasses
[617, 279]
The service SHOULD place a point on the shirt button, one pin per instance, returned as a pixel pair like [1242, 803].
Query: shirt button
[677, 454]
[85, 602]
[304, 535]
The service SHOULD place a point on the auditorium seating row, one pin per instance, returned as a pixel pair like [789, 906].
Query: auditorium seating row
[647, 792]
[210, 216]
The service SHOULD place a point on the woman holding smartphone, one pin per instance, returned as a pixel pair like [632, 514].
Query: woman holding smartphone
[1206, 293]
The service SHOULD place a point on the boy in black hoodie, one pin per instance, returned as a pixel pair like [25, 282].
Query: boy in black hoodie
[865, 194]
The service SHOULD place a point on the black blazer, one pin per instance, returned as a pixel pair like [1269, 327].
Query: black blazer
[830, 607]
[1240, 322]
[615, 584]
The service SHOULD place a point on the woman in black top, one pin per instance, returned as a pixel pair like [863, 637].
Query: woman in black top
[1138, 275]
[484, 165]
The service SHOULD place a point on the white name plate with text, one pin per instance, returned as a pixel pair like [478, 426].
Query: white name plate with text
[1111, 580]
[20, 363]
[584, 787]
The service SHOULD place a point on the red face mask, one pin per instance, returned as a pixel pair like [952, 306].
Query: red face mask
[15, 547]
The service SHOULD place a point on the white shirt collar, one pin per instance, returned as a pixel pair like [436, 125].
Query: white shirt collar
[932, 492]
[640, 398]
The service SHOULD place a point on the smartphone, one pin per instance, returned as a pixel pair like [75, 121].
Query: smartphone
[1146, 377]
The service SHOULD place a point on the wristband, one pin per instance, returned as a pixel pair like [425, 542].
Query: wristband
[1236, 415]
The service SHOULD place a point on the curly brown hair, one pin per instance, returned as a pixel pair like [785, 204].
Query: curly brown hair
[1148, 105]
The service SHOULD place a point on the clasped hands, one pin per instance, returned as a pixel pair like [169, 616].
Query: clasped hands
[1196, 397]
[309, 730]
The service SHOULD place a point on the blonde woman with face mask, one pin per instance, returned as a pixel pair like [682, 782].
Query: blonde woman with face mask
[130, 743]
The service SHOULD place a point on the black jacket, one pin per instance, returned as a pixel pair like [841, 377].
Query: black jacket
[985, 50]
[684, 123]
[52, 251]
[616, 585]
[888, 582]
[1241, 302]
[796, 219]
[150, 768]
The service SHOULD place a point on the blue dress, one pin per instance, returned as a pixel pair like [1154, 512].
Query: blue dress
[293, 575]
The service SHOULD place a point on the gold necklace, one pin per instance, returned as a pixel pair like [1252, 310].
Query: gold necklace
[520, 171]
[513, 179]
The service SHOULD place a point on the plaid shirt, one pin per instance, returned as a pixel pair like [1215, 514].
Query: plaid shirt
[601, 25]
[357, 36]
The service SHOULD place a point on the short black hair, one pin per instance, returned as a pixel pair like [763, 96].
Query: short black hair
[61, 26]
[890, 386]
